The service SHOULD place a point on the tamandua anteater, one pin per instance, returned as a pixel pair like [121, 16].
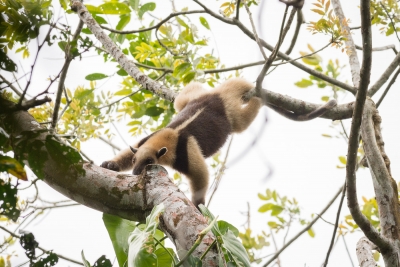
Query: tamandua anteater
[200, 129]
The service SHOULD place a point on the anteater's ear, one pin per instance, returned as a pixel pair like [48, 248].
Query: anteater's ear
[162, 152]
[134, 150]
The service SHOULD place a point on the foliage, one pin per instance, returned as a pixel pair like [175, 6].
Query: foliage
[8, 200]
[20, 21]
[333, 69]
[328, 24]
[30, 245]
[385, 14]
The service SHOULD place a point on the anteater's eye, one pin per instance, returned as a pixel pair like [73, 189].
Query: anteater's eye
[133, 160]
[149, 161]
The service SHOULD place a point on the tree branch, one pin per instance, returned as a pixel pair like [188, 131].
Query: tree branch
[353, 58]
[42, 249]
[335, 226]
[175, 14]
[380, 48]
[392, 81]
[385, 76]
[10, 85]
[364, 253]
[128, 196]
[351, 164]
[379, 164]
[63, 76]
[318, 112]
[304, 230]
[119, 56]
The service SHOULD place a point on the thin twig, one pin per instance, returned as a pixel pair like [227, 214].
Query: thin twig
[304, 230]
[385, 76]
[109, 143]
[220, 173]
[158, 25]
[33, 66]
[347, 250]
[282, 34]
[42, 249]
[392, 81]
[380, 48]
[10, 85]
[255, 31]
[63, 76]
[391, 20]
[336, 225]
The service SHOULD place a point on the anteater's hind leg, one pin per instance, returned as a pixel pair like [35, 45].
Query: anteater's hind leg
[190, 92]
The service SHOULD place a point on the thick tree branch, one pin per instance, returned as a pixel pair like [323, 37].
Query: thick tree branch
[353, 58]
[128, 196]
[119, 56]
[364, 253]
[351, 164]
[379, 164]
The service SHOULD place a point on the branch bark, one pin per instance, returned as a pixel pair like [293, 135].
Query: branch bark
[353, 58]
[128, 196]
[364, 253]
[120, 57]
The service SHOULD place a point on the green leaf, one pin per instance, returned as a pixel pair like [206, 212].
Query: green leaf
[4, 141]
[95, 76]
[122, 72]
[181, 69]
[145, 8]
[191, 261]
[8, 200]
[163, 257]
[276, 210]
[114, 8]
[311, 232]
[134, 4]
[182, 22]
[62, 45]
[304, 83]
[225, 226]
[325, 98]
[100, 20]
[204, 22]
[188, 77]
[64, 4]
[265, 207]
[343, 160]
[123, 92]
[154, 111]
[85, 262]
[236, 249]
[119, 229]
[141, 242]
[12, 166]
[124, 20]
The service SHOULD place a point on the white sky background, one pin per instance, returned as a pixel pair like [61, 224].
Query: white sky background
[303, 162]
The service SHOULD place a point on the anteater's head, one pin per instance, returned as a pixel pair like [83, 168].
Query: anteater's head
[144, 156]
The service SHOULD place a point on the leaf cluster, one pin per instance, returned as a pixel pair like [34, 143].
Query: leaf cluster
[20, 21]
[328, 24]
[385, 13]
[332, 69]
